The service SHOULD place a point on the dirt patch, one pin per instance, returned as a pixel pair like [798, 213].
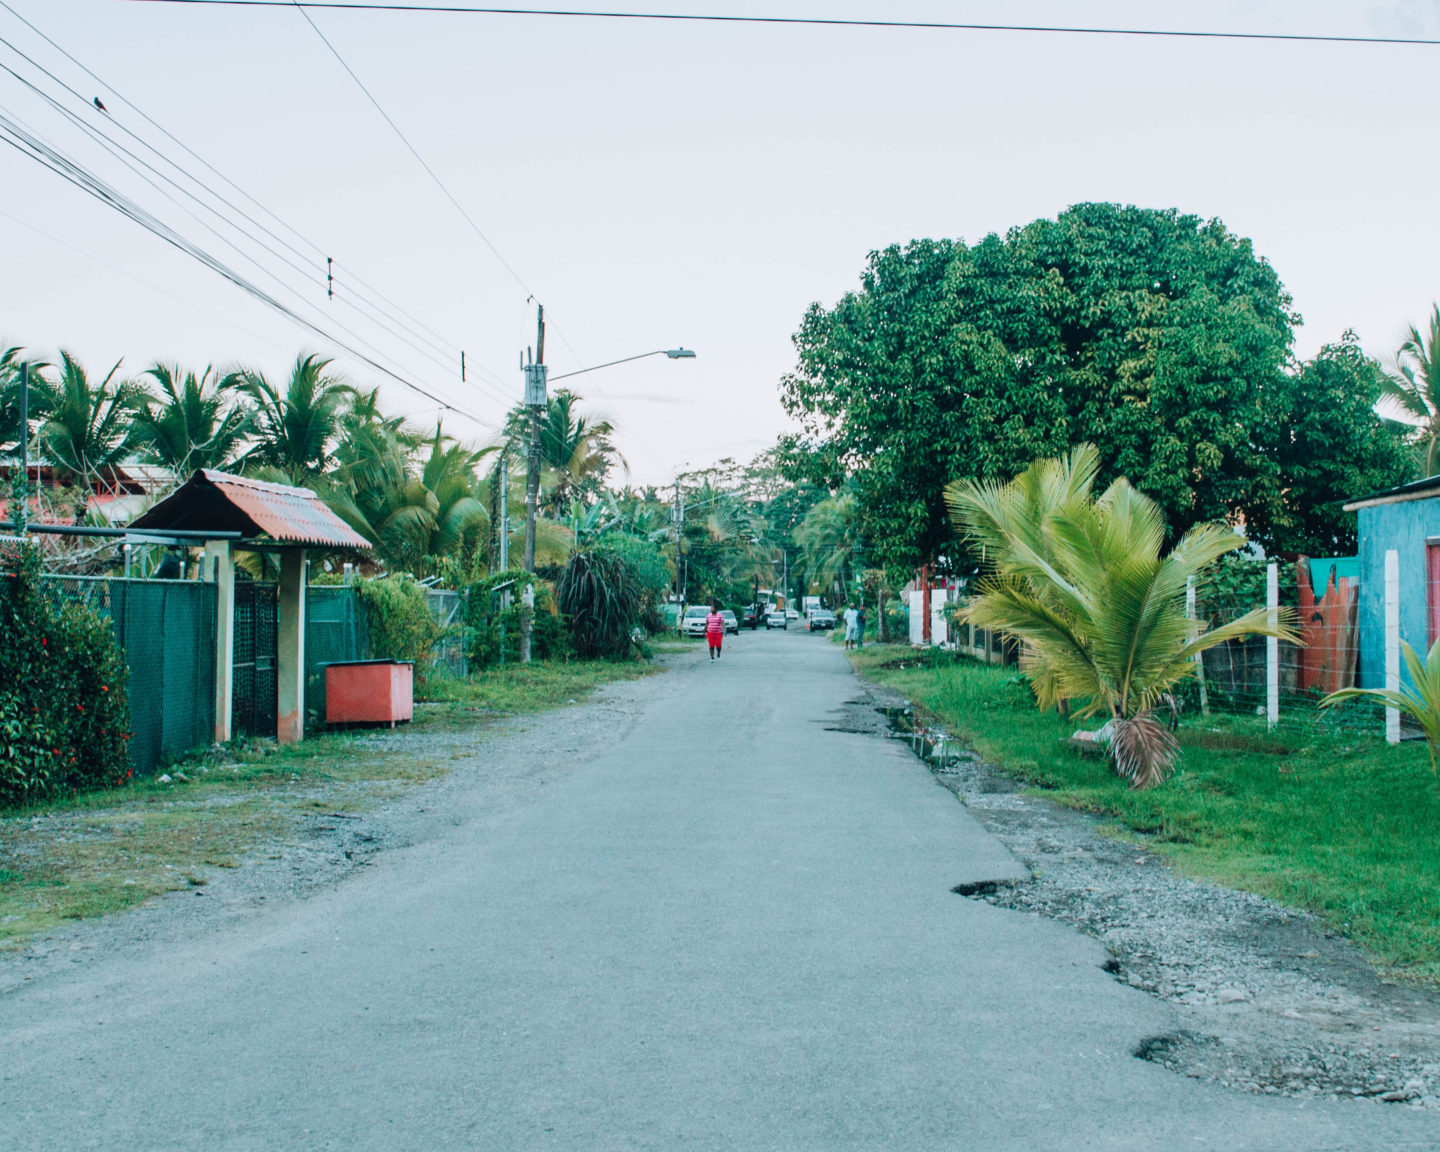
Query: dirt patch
[1268, 1000]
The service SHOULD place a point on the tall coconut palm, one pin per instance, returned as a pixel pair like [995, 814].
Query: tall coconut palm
[296, 427]
[576, 451]
[193, 422]
[830, 541]
[12, 360]
[86, 433]
[1081, 582]
[1415, 389]
[462, 519]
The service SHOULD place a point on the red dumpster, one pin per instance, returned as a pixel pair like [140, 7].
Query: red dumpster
[369, 692]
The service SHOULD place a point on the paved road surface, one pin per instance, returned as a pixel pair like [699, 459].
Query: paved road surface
[728, 929]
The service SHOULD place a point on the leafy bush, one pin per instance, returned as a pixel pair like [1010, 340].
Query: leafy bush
[651, 572]
[492, 629]
[64, 715]
[599, 594]
[401, 624]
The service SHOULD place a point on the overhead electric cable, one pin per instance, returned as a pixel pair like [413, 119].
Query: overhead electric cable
[451, 350]
[414, 151]
[31, 145]
[816, 21]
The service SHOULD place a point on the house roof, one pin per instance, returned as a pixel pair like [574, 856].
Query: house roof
[1415, 490]
[218, 501]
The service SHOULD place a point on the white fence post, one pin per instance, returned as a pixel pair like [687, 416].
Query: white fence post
[1272, 646]
[1199, 656]
[1392, 641]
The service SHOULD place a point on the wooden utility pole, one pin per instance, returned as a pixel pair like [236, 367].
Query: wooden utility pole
[678, 515]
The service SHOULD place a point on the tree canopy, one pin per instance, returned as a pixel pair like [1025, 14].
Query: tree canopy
[1161, 338]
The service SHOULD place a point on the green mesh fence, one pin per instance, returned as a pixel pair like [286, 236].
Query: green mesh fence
[166, 629]
[336, 628]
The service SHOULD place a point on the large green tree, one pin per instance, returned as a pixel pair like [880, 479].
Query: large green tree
[1415, 390]
[1150, 333]
[1327, 445]
[189, 421]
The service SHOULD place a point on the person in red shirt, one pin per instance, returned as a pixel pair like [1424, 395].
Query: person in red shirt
[715, 631]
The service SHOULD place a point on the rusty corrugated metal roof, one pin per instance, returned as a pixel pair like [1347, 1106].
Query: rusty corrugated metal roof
[221, 501]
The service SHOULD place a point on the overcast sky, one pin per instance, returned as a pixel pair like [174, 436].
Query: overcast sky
[661, 184]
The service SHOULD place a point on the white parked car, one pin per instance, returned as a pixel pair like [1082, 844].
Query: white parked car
[693, 622]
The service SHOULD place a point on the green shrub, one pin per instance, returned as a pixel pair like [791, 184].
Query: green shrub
[64, 716]
[492, 630]
[599, 595]
[652, 574]
[401, 624]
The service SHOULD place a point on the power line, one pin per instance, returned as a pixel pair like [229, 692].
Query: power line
[413, 150]
[353, 297]
[31, 145]
[814, 21]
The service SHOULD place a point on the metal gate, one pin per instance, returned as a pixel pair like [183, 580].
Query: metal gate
[255, 685]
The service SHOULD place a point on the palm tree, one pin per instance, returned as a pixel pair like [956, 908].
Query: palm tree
[1420, 699]
[193, 422]
[462, 519]
[296, 429]
[576, 451]
[86, 432]
[1080, 580]
[1415, 389]
[829, 541]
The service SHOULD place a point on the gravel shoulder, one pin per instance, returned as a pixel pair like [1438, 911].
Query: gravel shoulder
[487, 766]
[1268, 1000]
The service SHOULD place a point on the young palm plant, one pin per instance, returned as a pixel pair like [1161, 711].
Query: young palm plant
[1081, 582]
[1420, 699]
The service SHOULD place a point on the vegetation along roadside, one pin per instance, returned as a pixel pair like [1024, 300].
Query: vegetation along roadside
[1335, 823]
[107, 850]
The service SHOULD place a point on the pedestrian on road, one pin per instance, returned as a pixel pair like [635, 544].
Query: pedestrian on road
[860, 626]
[715, 631]
[852, 626]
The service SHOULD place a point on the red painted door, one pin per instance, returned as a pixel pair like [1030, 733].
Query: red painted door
[1432, 589]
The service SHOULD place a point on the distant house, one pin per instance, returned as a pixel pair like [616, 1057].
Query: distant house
[1406, 519]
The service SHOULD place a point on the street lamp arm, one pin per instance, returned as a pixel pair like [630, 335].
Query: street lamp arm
[673, 353]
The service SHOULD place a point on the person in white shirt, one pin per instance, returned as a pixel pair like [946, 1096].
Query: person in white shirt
[852, 627]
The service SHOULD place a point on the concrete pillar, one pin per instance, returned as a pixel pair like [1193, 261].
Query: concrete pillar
[1272, 646]
[290, 654]
[1392, 641]
[219, 567]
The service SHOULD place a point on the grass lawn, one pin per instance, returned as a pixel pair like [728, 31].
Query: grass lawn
[109, 850]
[1340, 824]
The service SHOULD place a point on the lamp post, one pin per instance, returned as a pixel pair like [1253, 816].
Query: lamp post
[536, 400]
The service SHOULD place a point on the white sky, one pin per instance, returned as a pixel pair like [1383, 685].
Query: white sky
[660, 184]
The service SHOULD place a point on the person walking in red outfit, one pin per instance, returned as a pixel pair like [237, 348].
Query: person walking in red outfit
[715, 631]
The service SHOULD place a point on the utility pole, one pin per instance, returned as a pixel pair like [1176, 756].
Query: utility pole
[504, 513]
[534, 400]
[679, 517]
[21, 514]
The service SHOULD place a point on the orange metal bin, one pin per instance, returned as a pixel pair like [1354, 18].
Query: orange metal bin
[369, 692]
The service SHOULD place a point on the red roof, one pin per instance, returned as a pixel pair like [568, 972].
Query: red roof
[224, 503]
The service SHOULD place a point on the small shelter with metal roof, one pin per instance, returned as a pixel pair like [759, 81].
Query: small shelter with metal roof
[1405, 520]
[269, 517]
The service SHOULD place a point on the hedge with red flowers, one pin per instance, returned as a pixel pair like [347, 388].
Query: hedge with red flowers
[64, 718]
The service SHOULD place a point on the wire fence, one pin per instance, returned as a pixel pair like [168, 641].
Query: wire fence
[1268, 683]
[166, 629]
[336, 629]
[448, 609]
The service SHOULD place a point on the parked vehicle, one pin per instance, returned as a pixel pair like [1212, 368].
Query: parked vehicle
[693, 622]
[732, 624]
[791, 614]
[820, 620]
[750, 618]
[776, 620]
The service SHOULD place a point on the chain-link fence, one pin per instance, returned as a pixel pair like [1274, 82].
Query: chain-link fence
[166, 628]
[336, 629]
[448, 608]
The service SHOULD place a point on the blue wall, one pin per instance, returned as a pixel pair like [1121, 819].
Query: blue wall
[1404, 527]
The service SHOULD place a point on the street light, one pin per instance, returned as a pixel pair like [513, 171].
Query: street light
[536, 399]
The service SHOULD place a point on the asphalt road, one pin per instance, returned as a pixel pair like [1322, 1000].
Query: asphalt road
[726, 927]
